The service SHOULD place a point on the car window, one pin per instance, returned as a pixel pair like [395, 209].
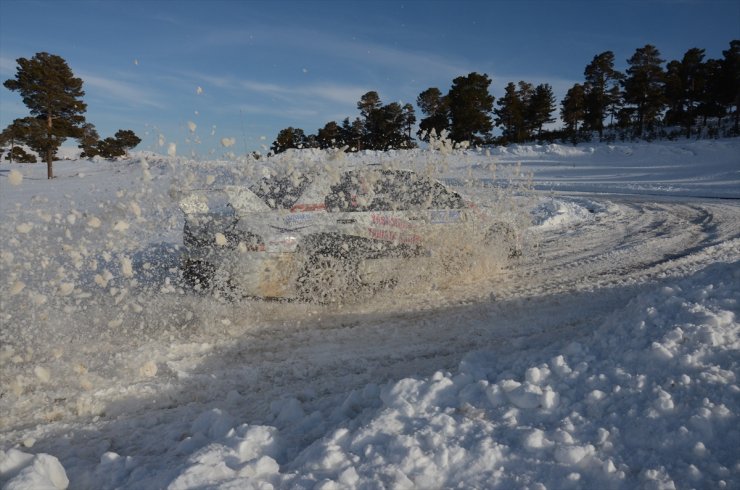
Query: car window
[281, 191]
[389, 190]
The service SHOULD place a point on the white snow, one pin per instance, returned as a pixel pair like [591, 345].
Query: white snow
[15, 177]
[605, 357]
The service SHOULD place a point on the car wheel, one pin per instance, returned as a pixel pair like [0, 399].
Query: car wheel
[458, 260]
[197, 274]
[503, 235]
[327, 279]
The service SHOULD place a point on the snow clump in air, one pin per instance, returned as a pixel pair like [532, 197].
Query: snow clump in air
[15, 177]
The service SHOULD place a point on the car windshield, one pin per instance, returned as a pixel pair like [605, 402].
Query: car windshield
[281, 191]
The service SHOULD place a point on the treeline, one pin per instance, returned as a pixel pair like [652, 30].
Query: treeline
[379, 127]
[651, 99]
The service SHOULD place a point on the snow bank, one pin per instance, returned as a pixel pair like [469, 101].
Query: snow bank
[19, 471]
[555, 213]
[649, 400]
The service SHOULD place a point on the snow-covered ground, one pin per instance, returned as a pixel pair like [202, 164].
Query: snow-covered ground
[605, 357]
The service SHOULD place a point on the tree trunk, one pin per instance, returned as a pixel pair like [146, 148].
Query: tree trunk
[49, 162]
[49, 169]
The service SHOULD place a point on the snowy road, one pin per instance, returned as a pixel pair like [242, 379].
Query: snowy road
[629, 240]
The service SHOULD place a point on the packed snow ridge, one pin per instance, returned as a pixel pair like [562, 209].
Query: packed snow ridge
[605, 357]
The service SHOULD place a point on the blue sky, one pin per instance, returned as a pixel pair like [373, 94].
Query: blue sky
[263, 66]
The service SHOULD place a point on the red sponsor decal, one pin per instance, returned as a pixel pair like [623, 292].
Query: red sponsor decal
[393, 222]
[308, 207]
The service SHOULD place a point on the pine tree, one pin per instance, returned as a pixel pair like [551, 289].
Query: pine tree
[712, 100]
[330, 136]
[352, 133]
[54, 96]
[19, 155]
[730, 84]
[540, 108]
[89, 140]
[470, 109]
[384, 127]
[409, 119]
[127, 139]
[118, 145]
[436, 107]
[390, 126]
[525, 92]
[644, 86]
[369, 107]
[510, 114]
[684, 86]
[288, 138]
[601, 90]
[368, 103]
[18, 132]
[573, 109]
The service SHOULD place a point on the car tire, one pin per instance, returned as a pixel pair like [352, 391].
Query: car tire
[328, 279]
[503, 235]
[197, 275]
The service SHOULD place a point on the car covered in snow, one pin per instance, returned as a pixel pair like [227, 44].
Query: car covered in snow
[326, 237]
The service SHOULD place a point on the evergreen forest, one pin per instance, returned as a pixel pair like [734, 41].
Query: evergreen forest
[651, 99]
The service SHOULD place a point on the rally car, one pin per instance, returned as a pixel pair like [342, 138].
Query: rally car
[325, 237]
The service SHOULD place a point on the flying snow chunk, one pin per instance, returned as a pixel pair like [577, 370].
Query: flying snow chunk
[120, 226]
[16, 288]
[199, 90]
[227, 142]
[172, 149]
[24, 228]
[192, 126]
[15, 177]
[194, 203]
[42, 374]
[94, 222]
[135, 208]
[148, 369]
[221, 240]
[127, 268]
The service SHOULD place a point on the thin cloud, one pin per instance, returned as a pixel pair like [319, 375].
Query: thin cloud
[120, 90]
[278, 112]
[414, 62]
[346, 94]
[343, 94]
